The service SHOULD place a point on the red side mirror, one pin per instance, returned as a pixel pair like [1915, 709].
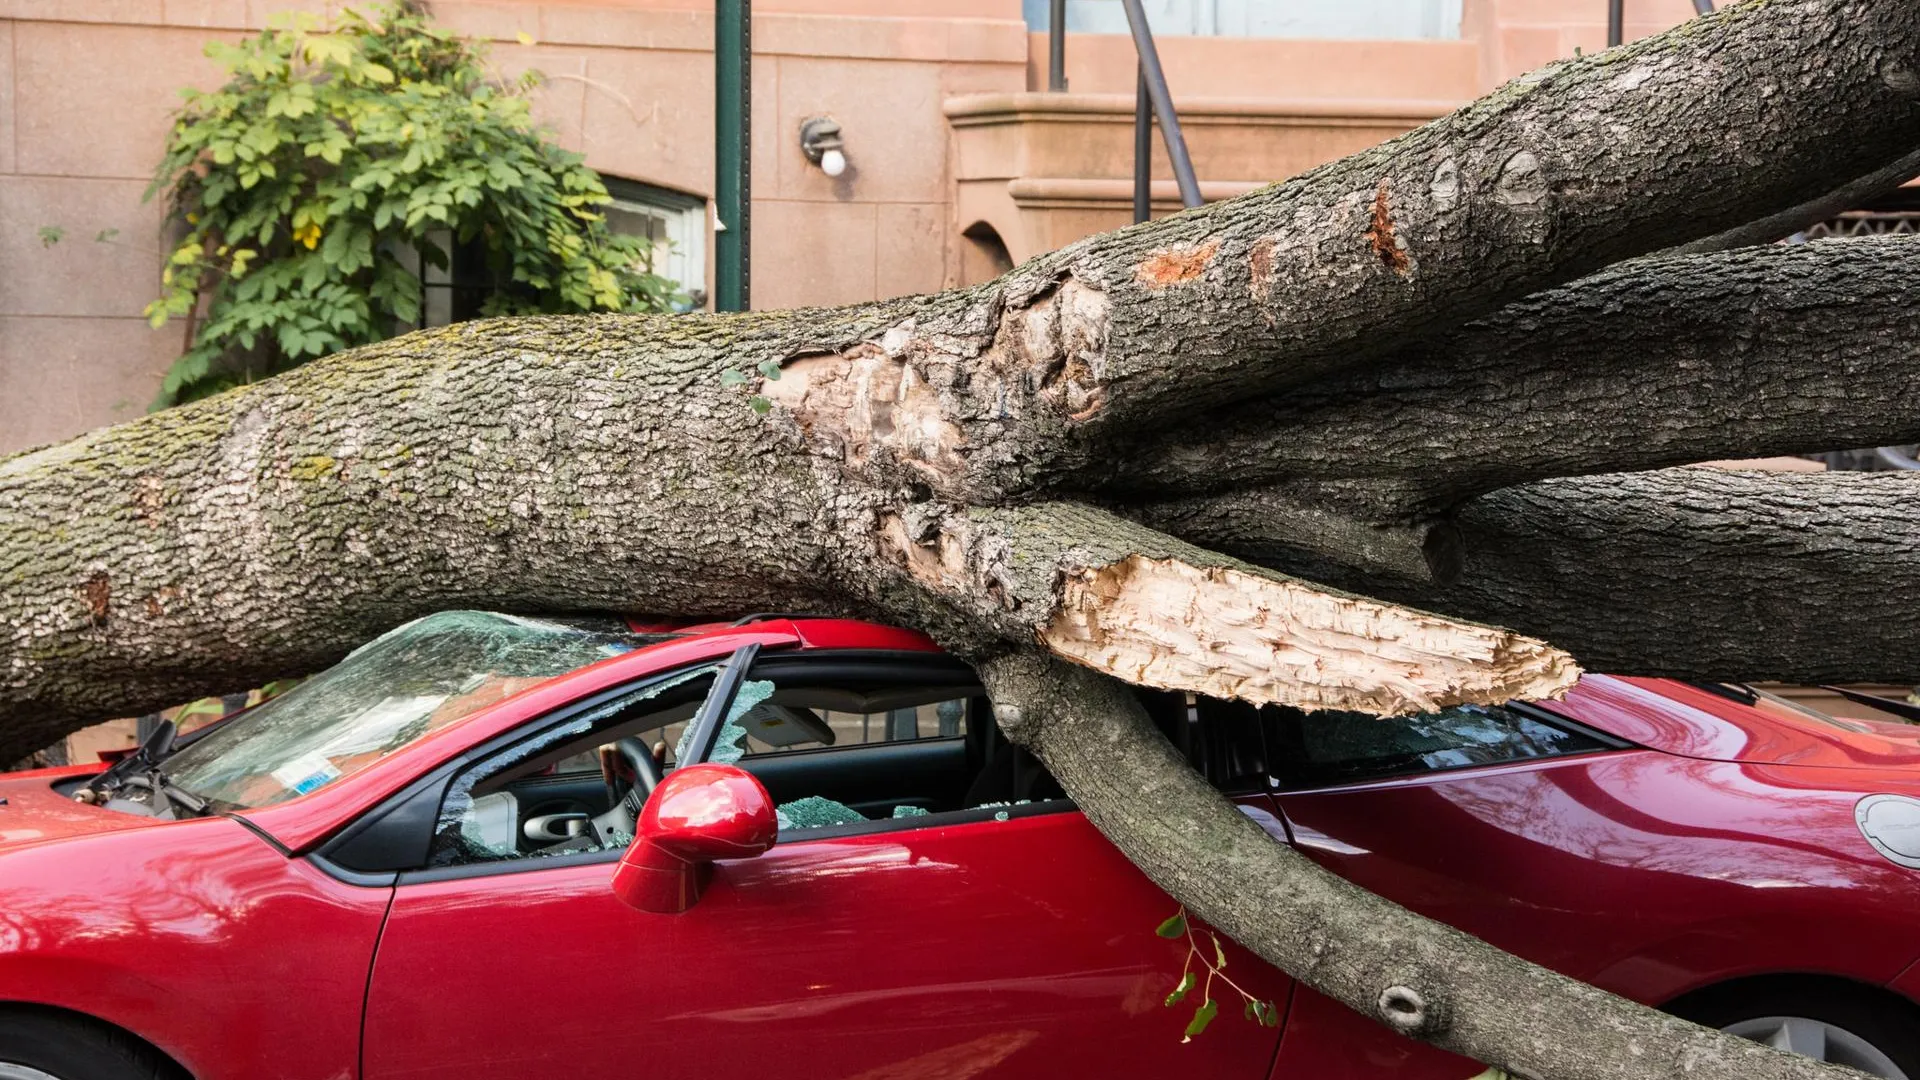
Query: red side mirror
[697, 815]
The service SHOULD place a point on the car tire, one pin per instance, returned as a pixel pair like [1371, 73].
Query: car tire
[1864, 1027]
[46, 1045]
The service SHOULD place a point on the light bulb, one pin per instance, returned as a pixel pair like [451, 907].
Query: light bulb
[833, 163]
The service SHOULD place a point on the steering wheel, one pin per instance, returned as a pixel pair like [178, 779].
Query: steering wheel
[623, 816]
[641, 760]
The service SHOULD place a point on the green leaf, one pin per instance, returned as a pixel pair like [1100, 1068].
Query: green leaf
[1219, 954]
[1202, 1016]
[760, 405]
[770, 369]
[1175, 925]
[51, 235]
[1270, 1014]
[732, 377]
[1180, 992]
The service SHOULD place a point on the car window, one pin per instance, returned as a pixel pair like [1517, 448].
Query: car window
[569, 789]
[1325, 748]
[387, 694]
[838, 744]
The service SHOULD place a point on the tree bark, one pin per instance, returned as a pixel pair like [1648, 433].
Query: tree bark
[1849, 196]
[1693, 573]
[1657, 362]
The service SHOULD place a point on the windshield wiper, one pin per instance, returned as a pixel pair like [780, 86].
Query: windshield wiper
[142, 769]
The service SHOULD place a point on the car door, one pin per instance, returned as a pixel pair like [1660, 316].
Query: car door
[1421, 810]
[956, 939]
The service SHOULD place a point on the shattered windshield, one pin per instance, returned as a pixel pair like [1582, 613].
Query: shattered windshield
[394, 690]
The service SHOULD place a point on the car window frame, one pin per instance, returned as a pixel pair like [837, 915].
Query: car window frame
[818, 665]
[431, 788]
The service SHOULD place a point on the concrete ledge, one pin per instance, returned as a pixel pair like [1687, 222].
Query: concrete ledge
[941, 37]
[971, 110]
[1058, 193]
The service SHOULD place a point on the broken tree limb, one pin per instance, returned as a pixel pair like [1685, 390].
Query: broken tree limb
[1124, 600]
[1694, 573]
[1415, 976]
[1657, 362]
[1849, 196]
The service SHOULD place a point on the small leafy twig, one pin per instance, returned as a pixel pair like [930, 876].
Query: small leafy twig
[769, 370]
[1261, 1012]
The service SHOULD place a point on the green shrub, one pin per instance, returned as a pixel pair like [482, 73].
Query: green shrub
[304, 184]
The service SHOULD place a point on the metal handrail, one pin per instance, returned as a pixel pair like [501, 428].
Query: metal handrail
[1152, 100]
[1153, 87]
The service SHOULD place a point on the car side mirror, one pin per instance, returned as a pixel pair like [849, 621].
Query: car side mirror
[697, 815]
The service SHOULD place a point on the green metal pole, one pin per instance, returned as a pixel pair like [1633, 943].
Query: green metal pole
[733, 83]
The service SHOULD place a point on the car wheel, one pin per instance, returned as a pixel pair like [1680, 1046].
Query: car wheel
[37, 1045]
[1841, 1024]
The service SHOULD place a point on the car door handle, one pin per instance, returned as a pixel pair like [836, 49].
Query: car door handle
[551, 827]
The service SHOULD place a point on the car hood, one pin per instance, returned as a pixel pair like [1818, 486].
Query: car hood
[1681, 719]
[34, 813]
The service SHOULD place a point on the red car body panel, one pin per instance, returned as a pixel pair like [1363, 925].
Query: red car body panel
[1723, 847]
[1643, 873]
[198, 936]
[1675, 718]
[1005, 949]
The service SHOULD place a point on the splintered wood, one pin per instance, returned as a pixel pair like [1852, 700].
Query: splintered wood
[1229, 633]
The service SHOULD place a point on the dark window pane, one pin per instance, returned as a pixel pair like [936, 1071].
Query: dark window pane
[1336, 747]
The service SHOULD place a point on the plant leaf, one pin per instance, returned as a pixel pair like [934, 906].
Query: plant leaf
[1202, 1016]
[1219, 954]
[1180, 992]
[1175, 925]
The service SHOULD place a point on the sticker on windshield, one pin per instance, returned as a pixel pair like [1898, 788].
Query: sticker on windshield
[306, 773]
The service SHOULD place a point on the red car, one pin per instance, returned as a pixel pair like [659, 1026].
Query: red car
[422, 863]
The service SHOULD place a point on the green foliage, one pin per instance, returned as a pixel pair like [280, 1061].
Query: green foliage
[1260, 1012]
[305, 184]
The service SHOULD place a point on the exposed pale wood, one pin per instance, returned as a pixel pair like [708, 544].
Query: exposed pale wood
[1125, 600]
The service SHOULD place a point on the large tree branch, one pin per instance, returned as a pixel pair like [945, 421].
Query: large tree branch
[1852, 195]
[1409, 973]
[1694, 573]
[1663, 361]
[1125, 600]
[1026, 384]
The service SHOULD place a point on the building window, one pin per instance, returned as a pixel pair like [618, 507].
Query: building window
[674, 221]
[1365, 19]
[455, 279]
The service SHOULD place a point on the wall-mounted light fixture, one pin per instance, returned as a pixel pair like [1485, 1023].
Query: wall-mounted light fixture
[820, 141]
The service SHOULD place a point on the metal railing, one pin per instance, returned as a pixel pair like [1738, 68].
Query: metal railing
[1152, 101]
